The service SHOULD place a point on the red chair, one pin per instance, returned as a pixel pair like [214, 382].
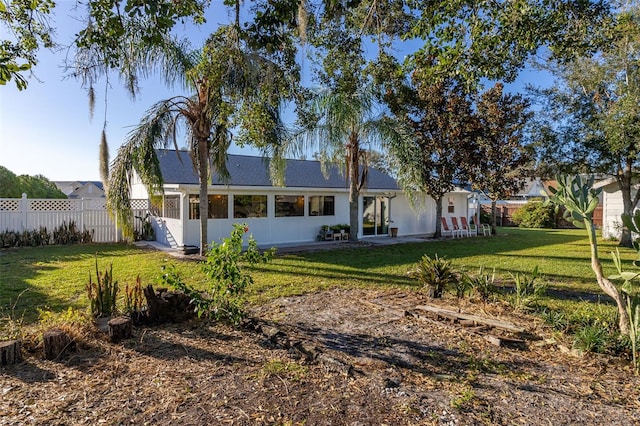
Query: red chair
[457, 227]
[464, 226]
[445, 227]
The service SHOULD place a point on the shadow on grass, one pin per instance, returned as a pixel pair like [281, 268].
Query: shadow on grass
[21, 267]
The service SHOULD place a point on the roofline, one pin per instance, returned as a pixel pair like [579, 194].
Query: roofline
[191, 187]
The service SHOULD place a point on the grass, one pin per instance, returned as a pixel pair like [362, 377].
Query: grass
[55, 276]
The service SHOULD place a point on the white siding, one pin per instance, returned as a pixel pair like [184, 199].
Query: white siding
[612, 209]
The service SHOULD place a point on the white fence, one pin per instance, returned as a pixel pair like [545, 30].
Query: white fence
[23, 214]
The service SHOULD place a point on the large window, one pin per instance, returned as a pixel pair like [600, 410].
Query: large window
[218, 206]
[249, 206]
[171, 206]
[322, 205]
[289, 205]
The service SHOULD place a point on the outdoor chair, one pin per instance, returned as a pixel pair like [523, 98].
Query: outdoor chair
[464, 227]
[446, 229]
[459, 228]
[486, 229]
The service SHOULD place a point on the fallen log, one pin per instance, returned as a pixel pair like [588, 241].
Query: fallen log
[471, 319]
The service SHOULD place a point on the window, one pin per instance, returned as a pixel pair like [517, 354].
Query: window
[171, 206]
[451, 208]
[289, 205]
[249, 206]
[218, 206]
[321, 205]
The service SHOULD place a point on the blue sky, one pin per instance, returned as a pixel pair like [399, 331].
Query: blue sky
[46, 128]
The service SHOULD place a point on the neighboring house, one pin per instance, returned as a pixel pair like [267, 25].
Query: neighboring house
[293, 213]
[612, 207]
[81, 189]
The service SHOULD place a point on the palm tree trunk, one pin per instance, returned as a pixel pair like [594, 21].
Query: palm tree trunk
[354, 185]
[203, 172]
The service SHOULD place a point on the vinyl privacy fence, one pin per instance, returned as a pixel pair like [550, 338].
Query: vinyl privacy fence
[24, 214]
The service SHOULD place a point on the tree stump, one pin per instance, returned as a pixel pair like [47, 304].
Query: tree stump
[120, 328]
[56, 342]
[167, 306]
[156, 306]
[10, 352]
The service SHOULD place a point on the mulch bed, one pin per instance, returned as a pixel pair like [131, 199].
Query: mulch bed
[339, 357]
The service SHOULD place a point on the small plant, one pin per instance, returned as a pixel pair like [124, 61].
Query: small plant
[591, 338]
[631, 291]
[134, 298]
[146, 227]
[461, 286]
[226, 275]
[555, 319]
[435, 274]
[103, 292]
[527, 289]
[464, 399]
[482, 284]
[11, 326]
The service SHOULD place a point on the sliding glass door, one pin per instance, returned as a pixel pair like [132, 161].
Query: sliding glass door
[375, 215]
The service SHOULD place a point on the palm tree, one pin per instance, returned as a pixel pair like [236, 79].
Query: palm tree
[231, 86]
[347, 128]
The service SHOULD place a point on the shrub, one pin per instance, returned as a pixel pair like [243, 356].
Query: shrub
[226, 275]
[534, 214]
[435, 274]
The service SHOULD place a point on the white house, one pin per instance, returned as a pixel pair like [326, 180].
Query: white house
[293, 213]
[612, 207]
[81, 189]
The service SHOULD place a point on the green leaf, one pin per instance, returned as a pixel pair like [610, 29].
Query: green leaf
[578, 224]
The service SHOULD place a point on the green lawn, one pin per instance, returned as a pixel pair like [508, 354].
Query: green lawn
[55, 277]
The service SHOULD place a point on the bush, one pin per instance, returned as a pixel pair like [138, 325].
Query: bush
[435, 274]
[534, 214]
[227, 276]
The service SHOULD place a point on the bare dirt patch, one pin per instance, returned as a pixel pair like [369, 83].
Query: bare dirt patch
[340, 357]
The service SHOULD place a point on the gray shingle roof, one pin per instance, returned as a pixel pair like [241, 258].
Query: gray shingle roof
[254, 171]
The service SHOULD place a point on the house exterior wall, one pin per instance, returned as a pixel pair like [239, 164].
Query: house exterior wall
[294, 229]
[612, 209]
[283, 230]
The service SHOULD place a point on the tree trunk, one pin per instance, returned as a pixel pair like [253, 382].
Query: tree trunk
[494, 214]
[438, 233]
[624, 181]
[203, 172]
[607, 286]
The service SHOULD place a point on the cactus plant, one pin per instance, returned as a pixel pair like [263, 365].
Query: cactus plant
[577, 195]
